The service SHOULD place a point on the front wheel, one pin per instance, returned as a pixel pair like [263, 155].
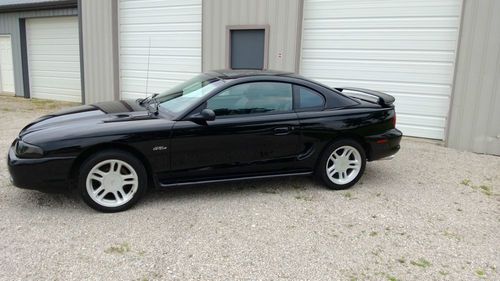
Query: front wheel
[112, 181]
[342, 164]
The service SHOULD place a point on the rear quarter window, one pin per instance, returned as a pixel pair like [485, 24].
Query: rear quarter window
[308, 98]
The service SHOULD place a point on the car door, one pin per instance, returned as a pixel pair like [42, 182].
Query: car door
[254, 133]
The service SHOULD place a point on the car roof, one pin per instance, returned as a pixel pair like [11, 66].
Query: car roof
[241, 73]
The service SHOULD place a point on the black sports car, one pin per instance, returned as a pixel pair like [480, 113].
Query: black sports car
[219, 126]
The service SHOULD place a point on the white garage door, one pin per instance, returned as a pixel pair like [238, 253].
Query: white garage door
[169, 33]
[404, 48]
[6, 66]
[54, 58]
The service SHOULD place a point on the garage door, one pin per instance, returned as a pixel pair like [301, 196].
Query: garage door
[6, 66]
[167, 34]
[54, 58]
[404, 48]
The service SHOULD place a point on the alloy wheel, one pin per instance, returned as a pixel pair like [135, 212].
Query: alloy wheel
[343, 165]
[112, 183]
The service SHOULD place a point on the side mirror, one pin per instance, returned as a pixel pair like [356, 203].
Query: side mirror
[208, 114]
[205, 115]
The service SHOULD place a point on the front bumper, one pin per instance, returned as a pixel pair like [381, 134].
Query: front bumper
[383, 145]
[43, 174]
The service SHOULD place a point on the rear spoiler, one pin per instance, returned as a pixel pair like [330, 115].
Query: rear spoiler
[369, 95]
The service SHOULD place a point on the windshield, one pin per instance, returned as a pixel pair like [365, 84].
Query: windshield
[188, 93]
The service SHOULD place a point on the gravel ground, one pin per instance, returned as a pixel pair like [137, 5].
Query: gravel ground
[432, 213]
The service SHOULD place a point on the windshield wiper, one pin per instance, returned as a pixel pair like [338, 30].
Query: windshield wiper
[146, 100]
[152, 105]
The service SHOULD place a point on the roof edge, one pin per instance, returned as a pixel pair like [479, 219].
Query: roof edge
[45, 5]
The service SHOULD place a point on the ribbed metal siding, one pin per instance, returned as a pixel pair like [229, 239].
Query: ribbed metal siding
[169, 33]
[475, 114]
[9, 24]
[282, 16]
[404, 48]
[100, 51]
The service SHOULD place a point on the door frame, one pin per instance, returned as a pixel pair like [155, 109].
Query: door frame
[9, 37]
[230, 28]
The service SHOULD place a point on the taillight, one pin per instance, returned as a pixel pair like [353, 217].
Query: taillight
[394, 120]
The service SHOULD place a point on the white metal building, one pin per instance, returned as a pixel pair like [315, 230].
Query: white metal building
[409, 49]
[404, 48]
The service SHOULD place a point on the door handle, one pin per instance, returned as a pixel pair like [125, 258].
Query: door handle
[280, 131]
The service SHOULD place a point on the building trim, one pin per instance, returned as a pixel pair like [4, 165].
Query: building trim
[229, 28]
[455, 70]
[116, 50]
[80, 43]
[42, 5]
[24, 58]
[300, 24]
[202, 34]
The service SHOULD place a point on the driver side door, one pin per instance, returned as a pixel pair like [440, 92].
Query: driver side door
[255, 132]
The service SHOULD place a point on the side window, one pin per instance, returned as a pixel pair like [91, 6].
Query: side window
[252, 98]
[309, 98]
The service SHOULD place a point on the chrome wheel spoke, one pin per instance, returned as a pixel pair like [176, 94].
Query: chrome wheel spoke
[353, 164]
[348, 153]
[102, 195]
[332, 172]
[128, 178]
[116, 166]
[99, 189]
[96, 177]
[100, 173]
[332, 158]
[118, 198]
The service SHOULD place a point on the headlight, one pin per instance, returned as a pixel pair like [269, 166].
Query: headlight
[26, 150]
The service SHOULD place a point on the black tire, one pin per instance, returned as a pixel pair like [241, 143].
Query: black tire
[321, 169]
[105, 155]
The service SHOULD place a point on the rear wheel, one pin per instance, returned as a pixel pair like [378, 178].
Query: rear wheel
[342, 164]
[112, 181]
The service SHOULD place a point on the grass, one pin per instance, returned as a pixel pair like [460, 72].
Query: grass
[373, 233]
[466, 182]
[118, 249]
[421, 262]
[443, 273]
[270, 191]
[298, 186]
[480, 273]
[452, 235]
[485, 189]
[19, 104]
[303, 197]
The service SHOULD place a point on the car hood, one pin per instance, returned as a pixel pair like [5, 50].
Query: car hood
[80, 119]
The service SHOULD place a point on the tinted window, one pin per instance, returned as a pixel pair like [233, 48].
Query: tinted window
[251, 98]
[309, 98]
[188, 93]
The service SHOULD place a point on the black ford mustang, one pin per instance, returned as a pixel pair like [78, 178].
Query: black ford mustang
[218, 126]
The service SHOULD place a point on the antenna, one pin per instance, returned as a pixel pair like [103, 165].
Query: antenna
[147, 73]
